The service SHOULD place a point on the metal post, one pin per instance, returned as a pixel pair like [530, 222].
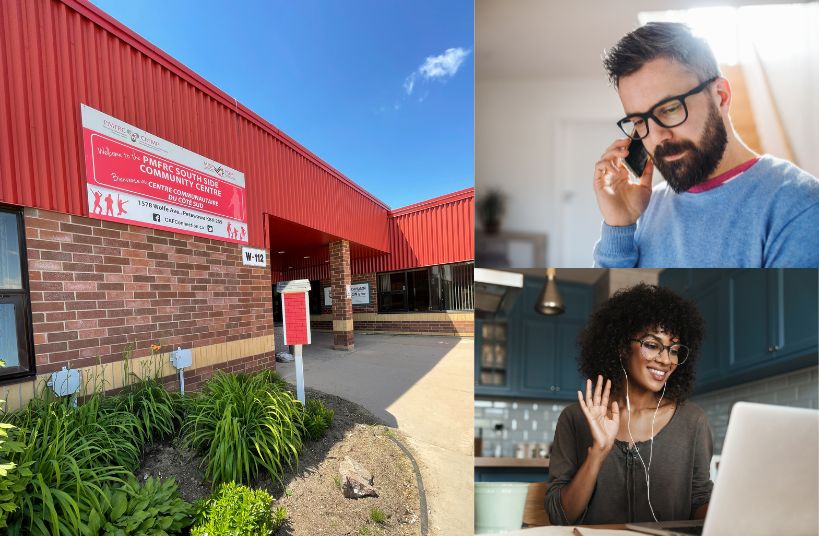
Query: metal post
[299, 375]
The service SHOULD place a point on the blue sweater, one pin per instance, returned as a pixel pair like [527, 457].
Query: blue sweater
[767, 216]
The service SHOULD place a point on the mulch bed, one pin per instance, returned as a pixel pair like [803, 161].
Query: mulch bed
[311, 491]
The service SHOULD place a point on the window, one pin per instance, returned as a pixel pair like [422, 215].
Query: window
[436, 288]
[15, 310]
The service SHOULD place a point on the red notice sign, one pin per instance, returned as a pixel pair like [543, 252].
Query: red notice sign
[296, 318]
[137, 178]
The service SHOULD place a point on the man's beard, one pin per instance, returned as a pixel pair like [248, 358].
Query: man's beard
[699, 162]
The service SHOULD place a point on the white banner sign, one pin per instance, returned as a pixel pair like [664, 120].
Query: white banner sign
[135, 177]
[361, 293]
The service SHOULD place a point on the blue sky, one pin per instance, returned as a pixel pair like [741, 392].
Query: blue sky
[382, 90]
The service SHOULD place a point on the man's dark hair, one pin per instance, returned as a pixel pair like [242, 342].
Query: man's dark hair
[670, 40]
[607, 336]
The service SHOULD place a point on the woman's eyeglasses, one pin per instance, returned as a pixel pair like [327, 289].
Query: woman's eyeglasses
[650, 349]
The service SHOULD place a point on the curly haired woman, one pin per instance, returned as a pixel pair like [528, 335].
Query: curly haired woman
[646, 455]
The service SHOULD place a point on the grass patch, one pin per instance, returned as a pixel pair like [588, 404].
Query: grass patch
[317, 420]
[378, 516]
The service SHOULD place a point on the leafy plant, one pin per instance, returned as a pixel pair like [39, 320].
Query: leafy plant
[235, 509]
[153, 508]
[155, 408]
[13, 479]
[243, 424]
[67, 461]
[317, 420]
[490, 209]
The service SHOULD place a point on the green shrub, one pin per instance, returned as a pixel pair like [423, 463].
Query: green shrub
[236, 510]
[242, 424]
[66, 457]
[155, 408]
[317, 420]
[13, 478]
[153, 508]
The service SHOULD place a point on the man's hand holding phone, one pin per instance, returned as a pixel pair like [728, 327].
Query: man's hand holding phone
[621, 202]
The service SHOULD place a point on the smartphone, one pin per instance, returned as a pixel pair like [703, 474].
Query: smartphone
[637, 158]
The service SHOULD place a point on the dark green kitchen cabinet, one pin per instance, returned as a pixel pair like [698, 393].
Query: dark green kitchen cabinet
[541, 350]
[752, 315]
[759, 322]
[710, 300]
[800, 314]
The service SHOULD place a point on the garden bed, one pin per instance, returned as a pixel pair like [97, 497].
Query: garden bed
[311, 491]
[87, 469]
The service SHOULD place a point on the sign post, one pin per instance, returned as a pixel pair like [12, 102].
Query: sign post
[296, 313]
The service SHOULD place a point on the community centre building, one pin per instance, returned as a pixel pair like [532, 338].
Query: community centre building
[141, 205]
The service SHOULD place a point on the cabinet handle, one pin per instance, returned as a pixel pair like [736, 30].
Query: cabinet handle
[557, 388]
[552, 388]
[774, 348]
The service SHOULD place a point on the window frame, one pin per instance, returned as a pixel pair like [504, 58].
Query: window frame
[434, 284]
[23, 314]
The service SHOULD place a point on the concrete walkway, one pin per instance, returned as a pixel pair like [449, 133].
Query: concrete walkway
[423, 386]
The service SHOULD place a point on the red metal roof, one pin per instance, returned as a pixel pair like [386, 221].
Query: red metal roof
[437, 231]
[58, 54]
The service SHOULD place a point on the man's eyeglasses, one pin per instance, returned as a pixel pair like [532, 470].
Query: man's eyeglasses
[650, 350]
[668, 113]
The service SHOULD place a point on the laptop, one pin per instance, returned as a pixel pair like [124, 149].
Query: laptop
[767, 481]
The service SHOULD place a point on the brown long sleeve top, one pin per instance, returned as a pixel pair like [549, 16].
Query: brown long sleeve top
[680, 470]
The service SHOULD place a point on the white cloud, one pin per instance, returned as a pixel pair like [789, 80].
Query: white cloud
[446, 64]
[437, 67]
[409, 84]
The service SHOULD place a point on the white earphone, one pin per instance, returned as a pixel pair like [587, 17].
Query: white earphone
[651, 449]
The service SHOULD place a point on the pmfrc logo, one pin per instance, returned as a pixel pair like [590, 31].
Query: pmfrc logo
[136, 136]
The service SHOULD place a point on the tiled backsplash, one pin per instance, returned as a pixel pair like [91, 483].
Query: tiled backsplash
[799, 389]
[524, 421]
[533, 421]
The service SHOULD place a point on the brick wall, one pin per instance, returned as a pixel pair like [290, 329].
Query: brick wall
[97, 286]
[421, 326]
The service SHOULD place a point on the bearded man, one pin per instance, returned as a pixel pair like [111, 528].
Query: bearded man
[721, 204]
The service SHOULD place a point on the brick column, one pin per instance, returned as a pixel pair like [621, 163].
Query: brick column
[342, 305]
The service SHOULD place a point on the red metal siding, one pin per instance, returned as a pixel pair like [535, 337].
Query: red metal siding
[56, 54]
[437, 231]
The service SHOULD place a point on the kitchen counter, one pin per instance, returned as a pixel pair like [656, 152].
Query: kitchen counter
[518, 463]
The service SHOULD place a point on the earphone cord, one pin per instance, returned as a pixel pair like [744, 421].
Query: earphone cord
[651, 449]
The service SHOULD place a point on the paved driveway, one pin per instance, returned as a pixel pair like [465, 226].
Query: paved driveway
[423, 386]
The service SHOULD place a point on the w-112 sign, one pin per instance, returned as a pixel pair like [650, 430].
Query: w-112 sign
[137, 178]
[254, 257]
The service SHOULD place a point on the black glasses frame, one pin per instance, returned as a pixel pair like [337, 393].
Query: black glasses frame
[650, 114]
[665, 348]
